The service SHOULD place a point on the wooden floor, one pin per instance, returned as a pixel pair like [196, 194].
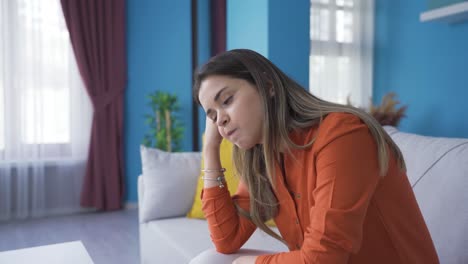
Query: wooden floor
[108, 237]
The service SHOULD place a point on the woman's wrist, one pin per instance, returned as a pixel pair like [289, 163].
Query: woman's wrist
[212, 164]
[213, 179]
[213, 173]
[219, 180]
[211, 148]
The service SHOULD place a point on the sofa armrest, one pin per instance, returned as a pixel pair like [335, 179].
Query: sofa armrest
[140, 190]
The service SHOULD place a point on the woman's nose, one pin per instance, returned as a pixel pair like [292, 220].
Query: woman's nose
[222, 120]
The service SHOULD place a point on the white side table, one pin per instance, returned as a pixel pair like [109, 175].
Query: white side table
[70, 252]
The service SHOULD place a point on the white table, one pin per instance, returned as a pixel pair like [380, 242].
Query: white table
[70, 252]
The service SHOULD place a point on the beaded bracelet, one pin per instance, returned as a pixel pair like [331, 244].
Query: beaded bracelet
[214, 170]
[219, 179]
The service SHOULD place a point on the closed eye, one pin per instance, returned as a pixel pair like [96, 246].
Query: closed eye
[213, 117]
[228, 100]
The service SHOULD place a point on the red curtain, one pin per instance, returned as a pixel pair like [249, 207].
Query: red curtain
[218, 26]
[97, 33]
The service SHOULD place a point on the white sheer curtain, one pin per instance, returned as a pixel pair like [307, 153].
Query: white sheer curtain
[341, 54]
[45, 113]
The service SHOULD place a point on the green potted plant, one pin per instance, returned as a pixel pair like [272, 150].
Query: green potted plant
[165, 131]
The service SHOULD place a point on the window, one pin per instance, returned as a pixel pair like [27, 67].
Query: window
[35, 96]
[341, 49]
[53, 121]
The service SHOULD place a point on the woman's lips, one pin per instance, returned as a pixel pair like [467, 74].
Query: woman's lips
[231, 132]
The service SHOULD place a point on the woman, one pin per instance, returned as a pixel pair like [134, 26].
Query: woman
[331, 178]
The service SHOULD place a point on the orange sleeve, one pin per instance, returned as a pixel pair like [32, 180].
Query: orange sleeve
[347, 175]
[228, 230]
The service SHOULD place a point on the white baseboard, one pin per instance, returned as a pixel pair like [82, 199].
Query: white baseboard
[131, 205]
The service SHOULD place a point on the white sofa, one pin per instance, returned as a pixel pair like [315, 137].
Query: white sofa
[437, 170]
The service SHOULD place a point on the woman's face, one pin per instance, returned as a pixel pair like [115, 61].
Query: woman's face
[236, 108]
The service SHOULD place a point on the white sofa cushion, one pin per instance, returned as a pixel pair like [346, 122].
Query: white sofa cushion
[390, 130]
[438, 172]
[169, 182]
[422, 152]
[442, 196]
[186, 238]
[174, 240]
[211, 256]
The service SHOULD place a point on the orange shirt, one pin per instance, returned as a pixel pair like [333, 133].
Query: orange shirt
[333, 205]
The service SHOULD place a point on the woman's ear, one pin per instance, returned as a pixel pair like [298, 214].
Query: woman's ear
[272, 92]
[271, 89]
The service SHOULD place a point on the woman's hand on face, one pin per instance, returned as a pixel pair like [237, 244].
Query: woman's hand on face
[212, 137]
[245, 260]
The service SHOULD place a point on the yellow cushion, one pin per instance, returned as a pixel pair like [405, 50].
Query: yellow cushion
[231, 180]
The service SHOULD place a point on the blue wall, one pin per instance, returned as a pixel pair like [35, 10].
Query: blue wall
[425, 64]
[247, 25]
[159, 58]
[277, 29]
[204, 51]
[288, 38]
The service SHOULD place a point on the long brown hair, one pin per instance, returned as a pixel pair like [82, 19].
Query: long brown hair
[292, 107]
